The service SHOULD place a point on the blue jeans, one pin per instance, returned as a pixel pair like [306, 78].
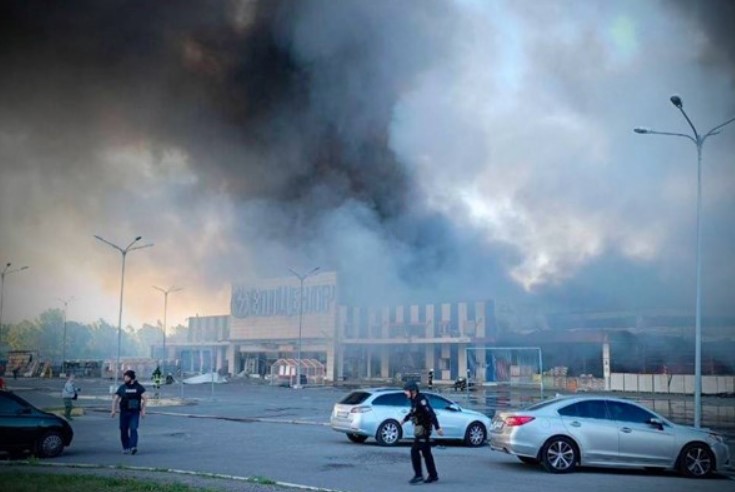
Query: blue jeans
[129, 428]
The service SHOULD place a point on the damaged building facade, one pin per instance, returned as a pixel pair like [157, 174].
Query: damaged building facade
[266, 322]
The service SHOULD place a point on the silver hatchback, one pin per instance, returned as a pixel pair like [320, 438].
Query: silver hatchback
[378, 412]
[596, 431]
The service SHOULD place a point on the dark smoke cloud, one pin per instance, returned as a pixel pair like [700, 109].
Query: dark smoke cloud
[284, 106]
[245, 136]
[716, 18]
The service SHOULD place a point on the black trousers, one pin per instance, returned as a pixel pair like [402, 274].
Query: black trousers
[422, 446]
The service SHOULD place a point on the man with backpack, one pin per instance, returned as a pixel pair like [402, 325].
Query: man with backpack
[130, 399]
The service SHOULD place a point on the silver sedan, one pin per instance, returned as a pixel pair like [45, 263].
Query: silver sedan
[565, 432]
[378, 412]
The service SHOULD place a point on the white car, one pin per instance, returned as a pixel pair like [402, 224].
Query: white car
[598, 431]
[378, 412]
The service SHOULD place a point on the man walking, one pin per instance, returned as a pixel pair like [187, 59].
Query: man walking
[423, 418]
[69, 394]
[131, 400]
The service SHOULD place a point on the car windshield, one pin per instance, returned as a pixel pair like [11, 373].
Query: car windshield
[355, 398]
[11, 406]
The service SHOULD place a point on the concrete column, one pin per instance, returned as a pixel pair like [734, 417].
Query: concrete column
[480, 355]
[430, 321]
[339, 350]
[462, 360]
[384, 362]
[480, 320]
[231, 351]
[369, 355]
[331, 361]
[446, 374]
[606, 363]
[384, 325]
[462, 319]
[430, 359]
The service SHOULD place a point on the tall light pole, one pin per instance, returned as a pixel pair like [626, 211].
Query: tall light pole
[124, 252]
[165, 309]
[6, 271]
[65, 302]
[301, 277]
[698, 140]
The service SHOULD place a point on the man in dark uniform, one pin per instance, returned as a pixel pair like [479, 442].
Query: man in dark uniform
[157, 382]
[130, 398]
[423, 418]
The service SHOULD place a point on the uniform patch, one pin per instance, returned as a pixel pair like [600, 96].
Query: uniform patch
[423, 402]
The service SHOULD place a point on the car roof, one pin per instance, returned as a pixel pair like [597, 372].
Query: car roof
[388, 389]
[553, 403]
[374, 391]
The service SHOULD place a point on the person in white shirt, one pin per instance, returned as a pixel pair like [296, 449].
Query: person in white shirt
[69, 394]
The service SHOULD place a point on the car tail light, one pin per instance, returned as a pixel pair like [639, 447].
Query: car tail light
[515, 421]
[361, 410]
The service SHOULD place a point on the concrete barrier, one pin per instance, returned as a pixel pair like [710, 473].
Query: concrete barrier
[670, 383]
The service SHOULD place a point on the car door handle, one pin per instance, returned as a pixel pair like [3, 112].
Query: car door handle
[575, 424]
[404, 411]
[627, 430]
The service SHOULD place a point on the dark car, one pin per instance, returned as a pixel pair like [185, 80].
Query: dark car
[24, 427]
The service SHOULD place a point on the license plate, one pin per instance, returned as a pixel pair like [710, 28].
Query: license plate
[343, 415]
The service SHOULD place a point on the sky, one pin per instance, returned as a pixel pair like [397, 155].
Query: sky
[427, 150]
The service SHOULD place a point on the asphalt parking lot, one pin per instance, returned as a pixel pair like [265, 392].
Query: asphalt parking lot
[247, 429]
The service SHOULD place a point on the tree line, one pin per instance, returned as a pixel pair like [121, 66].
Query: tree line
[97, 340]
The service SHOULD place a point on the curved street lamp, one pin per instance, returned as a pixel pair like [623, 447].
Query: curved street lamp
[6, 271]
[301, 277]
[698, 140]
[124, 252]
[166, 292]
[65, 302]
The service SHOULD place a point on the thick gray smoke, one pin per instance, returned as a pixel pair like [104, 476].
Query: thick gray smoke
[245, 137]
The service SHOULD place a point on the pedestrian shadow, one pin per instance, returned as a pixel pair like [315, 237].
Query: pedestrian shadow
[406, 443]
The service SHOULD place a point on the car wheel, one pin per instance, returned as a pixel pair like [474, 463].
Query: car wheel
[696, 461]
[476, 435]
[356, 438]
[559, 455]
[527, 460]
[50, 445]
[389, 433]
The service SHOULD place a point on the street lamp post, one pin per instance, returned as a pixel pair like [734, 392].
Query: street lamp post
[6, 271]
[698, 140]
[63, 345]
[165, 310]
[124, 252]
[301, 277]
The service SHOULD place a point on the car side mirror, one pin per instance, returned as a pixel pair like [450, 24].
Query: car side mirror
[658, 423]
[454, 408]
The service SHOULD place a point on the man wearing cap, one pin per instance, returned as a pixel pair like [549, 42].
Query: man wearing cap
[131, 400]
[423, 418]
